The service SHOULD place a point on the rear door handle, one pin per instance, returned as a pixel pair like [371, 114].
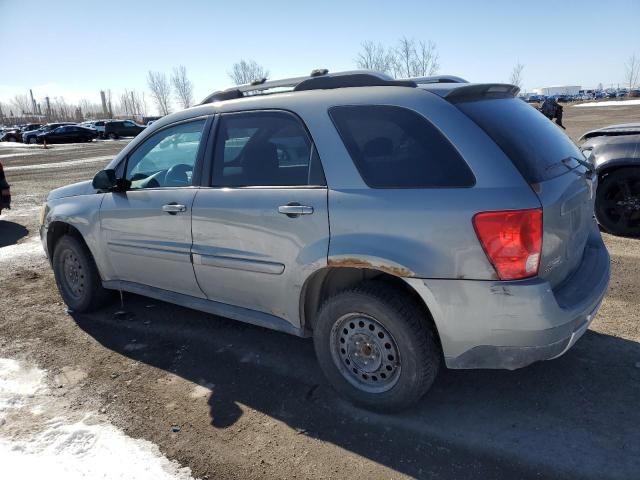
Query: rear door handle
[173, 208]
[293, 210]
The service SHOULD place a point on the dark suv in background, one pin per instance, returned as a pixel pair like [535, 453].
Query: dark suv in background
[122, 128]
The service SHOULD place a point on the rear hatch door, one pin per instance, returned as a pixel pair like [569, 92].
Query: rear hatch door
[554, 168]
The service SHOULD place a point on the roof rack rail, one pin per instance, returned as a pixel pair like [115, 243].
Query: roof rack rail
[318, 79]
[438, 79]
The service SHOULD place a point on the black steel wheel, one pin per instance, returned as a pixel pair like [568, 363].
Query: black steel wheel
[618, 202]
[77, 276]
[376, 346]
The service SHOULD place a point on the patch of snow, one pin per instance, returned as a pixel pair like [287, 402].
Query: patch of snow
[32, 247]
[610, 103]
[18, 383]
[52, 445]
[46, 166]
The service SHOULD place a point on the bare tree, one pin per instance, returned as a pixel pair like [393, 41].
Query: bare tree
[182, 86]
[405, 54]
[426, 59]
[632, 71]
[132, 103]
[21, 102]
[160, 91]
[374, 56]
[247, 71]
[516, 75]
[600, 87]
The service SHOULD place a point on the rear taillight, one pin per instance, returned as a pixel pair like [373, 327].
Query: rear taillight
[512, 241]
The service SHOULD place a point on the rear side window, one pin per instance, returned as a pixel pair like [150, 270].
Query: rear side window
[395, 147]
[536, 146]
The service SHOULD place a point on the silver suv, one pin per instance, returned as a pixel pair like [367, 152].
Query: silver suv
[401, 224]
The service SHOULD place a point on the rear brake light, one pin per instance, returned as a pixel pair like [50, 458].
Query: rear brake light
[512, 241]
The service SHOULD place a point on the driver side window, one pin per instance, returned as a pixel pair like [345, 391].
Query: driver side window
[167, 158]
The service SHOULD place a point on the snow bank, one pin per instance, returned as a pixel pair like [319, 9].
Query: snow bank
[610, 103]
[46, 443]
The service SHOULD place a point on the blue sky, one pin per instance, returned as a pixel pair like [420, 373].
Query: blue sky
[75, 48]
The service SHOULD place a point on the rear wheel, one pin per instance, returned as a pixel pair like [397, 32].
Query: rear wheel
[112, 136]
[77, 276]
[375, 348]
[618, 202]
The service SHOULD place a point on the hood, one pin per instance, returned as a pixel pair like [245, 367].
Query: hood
[613, 130]
[73, 190]
[621, 149]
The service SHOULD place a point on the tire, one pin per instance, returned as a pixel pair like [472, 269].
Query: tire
[33, 140]
[375, 347]
[77, 276]
[618, 202]
[112, 136]
[12, 139]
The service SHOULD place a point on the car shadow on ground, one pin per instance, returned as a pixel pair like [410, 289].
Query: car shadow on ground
[576, 416]
[11, 232]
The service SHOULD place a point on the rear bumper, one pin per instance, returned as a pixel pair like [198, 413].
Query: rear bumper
[494, 324]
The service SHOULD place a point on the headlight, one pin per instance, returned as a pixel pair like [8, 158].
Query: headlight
[43, 213]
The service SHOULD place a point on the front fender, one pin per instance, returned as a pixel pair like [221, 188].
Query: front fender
[82, 213]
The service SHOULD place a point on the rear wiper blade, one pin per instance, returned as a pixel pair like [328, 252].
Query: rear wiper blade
[565, 162]
[588, 165]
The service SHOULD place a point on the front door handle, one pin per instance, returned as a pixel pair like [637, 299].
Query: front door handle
[293, 210]
[173, 208]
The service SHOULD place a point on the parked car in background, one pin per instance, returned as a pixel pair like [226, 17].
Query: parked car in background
[535, 99]
[399, 223]
[67, 134]
[5, 191]
[15, 134]
[32, 136]
[614, 152]
[98, 125]
[634, 93]
[122, 128]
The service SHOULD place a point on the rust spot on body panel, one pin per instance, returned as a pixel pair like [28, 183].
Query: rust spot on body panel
[354, 262]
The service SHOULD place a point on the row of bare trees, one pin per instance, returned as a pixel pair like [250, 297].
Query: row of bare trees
[407, 58]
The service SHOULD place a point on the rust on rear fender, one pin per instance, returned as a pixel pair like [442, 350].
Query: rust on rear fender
[354, 262]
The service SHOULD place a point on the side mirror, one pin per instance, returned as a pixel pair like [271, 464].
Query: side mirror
[106, 180]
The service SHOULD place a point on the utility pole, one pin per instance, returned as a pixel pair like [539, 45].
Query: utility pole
[104, 103]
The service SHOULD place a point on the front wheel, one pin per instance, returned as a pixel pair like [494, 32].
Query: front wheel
[77, 276]
[618, 202]
[376, 348]
[33, 140]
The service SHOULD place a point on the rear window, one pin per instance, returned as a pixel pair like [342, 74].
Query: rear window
[536, 146]
[394, 147]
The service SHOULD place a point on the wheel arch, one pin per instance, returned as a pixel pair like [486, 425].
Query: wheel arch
[328, 281]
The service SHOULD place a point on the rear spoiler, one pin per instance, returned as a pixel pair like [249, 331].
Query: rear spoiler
[456, 92]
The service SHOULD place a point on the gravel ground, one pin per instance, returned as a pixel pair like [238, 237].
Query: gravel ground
[250, 403]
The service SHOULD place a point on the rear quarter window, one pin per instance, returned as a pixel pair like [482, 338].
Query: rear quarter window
[535, 145]
[394, 147]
